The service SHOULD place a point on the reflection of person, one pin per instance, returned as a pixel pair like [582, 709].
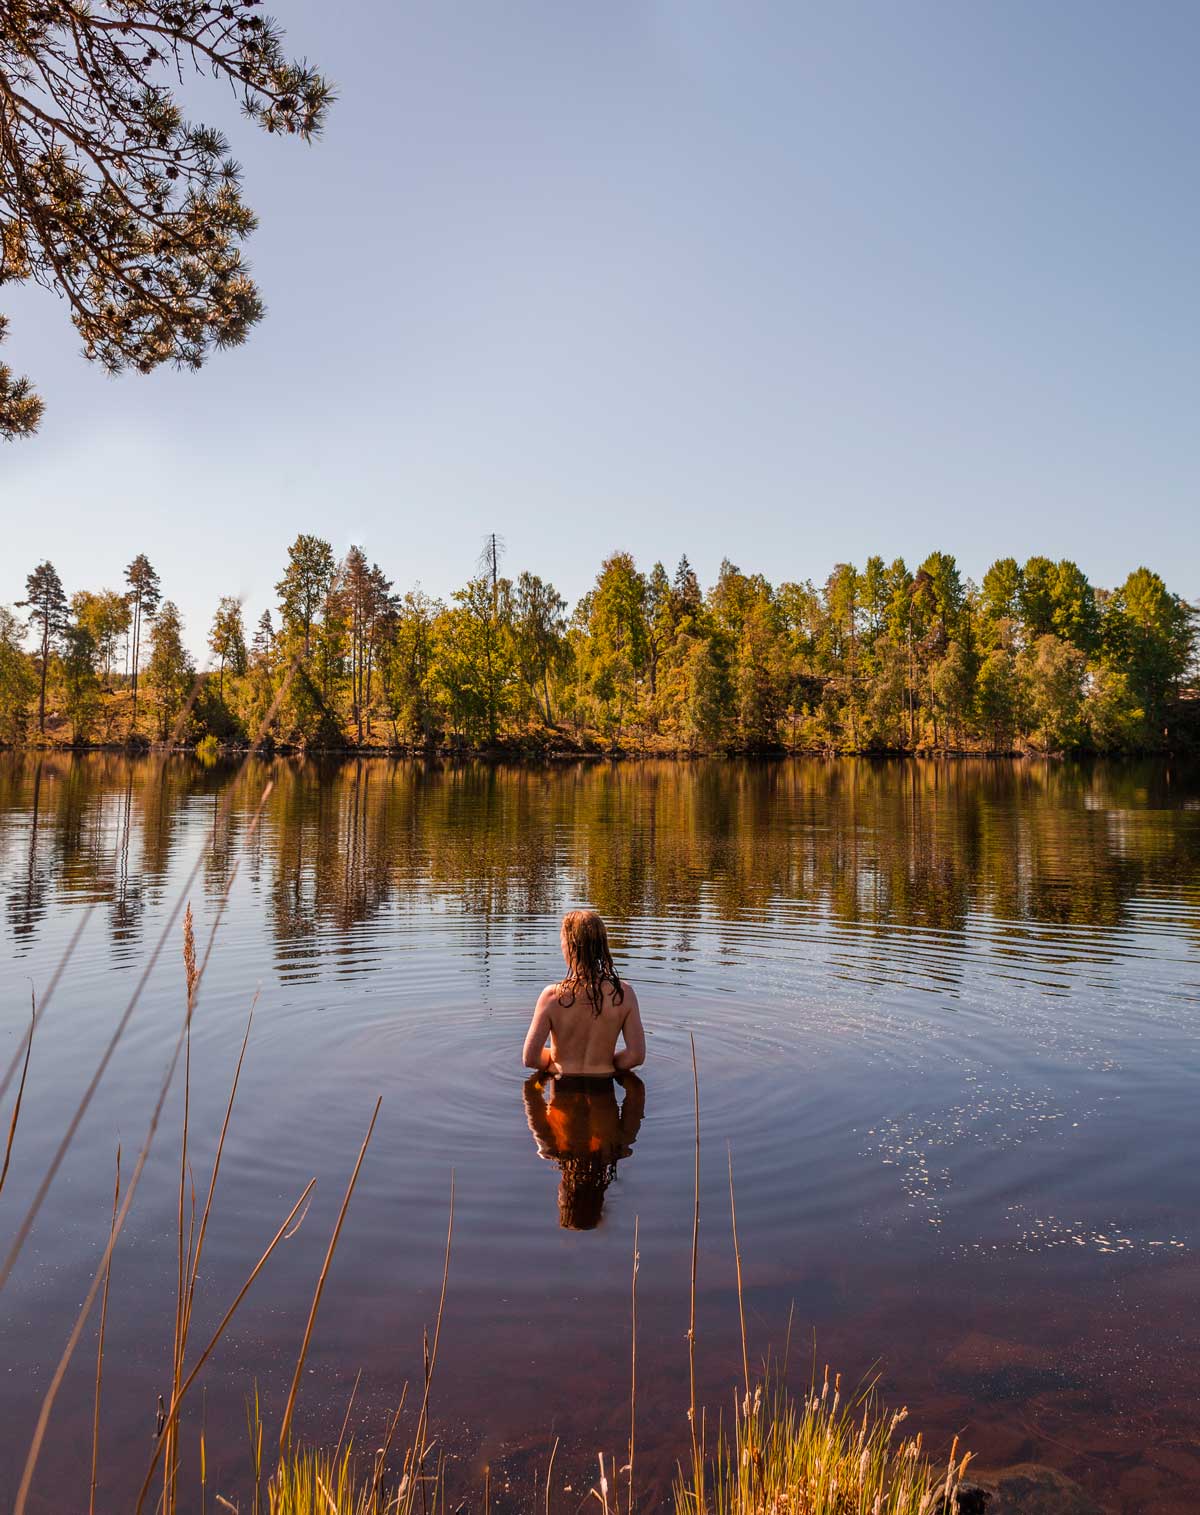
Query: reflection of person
[583, 1014]
[587, 1134]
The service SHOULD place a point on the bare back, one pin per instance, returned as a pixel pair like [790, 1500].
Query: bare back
[582, 1042]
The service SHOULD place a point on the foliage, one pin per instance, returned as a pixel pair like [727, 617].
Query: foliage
[47, 606]
[111, 197]
[872, 659]
[20, 408]
[18, 682]
[169, 673]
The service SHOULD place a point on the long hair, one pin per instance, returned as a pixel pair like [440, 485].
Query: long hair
[591, 964]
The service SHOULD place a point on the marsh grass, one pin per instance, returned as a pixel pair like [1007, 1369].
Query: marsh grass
[818, 1456]
[311, 1481]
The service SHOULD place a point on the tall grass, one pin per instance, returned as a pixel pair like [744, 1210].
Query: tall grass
[818, 1456]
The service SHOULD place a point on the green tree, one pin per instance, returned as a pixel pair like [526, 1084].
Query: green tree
[81, 687]
[475, 655]
[1115, 720]
[170, 672]
[145, 594]
[109, 196]
[1150, 634]
[47, 606]
[687, 597]
[761, 677]
[1075, 614]
[1039, 581]
[1000, 597]
[705, 696]
[20, 408]
[227, 639]
[305, 586]
[105, 615]
[1053, 673]
[954, 688]
[997, 693]
[874, 594]
[408, 666]
[18, 681]
[539, 625]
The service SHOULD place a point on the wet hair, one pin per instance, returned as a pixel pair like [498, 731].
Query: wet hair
[585, 1181]
[590, 961]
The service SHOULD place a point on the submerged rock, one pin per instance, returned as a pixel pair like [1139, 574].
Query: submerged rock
[1028, 1488]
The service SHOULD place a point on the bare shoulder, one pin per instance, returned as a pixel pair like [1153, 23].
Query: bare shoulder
[629, 999]
[548, 996]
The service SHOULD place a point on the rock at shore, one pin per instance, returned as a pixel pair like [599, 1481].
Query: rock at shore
[1025, 1489]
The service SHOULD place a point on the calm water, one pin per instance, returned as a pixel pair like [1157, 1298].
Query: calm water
[946, 1021]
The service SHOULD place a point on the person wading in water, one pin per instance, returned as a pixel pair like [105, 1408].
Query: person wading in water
[577, 1021]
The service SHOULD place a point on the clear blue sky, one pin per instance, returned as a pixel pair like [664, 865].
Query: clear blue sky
[789, 283]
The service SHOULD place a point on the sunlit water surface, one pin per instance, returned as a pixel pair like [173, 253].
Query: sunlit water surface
[945, 1016]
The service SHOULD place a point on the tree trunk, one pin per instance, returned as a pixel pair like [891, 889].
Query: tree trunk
[45, 667]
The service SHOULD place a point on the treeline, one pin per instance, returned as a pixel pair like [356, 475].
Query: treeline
[880, 658]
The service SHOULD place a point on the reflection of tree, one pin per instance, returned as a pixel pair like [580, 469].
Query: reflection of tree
[885, 847]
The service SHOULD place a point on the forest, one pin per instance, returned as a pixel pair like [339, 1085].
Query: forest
[881, 658]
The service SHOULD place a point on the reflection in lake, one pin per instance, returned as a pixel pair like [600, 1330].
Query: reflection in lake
[586, 1133]
[945, 1016]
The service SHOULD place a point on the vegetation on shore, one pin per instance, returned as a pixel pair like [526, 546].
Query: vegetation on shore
[1034, 658]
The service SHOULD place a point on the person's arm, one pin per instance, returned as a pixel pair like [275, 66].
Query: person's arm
[633, 1054]
[536, 1054]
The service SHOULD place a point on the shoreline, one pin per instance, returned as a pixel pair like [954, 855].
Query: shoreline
[533, 754]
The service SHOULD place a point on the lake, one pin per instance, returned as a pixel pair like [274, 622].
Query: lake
[945, 1017]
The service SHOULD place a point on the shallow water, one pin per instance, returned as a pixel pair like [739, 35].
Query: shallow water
[945, 1017]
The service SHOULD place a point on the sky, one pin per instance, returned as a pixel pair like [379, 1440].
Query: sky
[784, 283]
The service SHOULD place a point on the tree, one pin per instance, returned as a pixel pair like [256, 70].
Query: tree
[1115, 720]
[1000, 592]
[227, 639]
[1075, 615]
[18, 682]
[539, 627]
[705, 695]
[145, 593]
[1053, 672]
[474, 654]
[997, 695]
[47, 606]
[169, 673]
[1036, 598]
[264, 638]
[305, 585]
[954, 687]
[20, 408]
[105, 615]
[1150, 633]
[81, 687]
[686, 596]
[407, 665]
[110, 197]
[368, 603]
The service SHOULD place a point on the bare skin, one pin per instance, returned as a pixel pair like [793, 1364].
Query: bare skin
[573, 1039]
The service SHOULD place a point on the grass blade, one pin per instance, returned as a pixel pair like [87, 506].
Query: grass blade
[286, 1427]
